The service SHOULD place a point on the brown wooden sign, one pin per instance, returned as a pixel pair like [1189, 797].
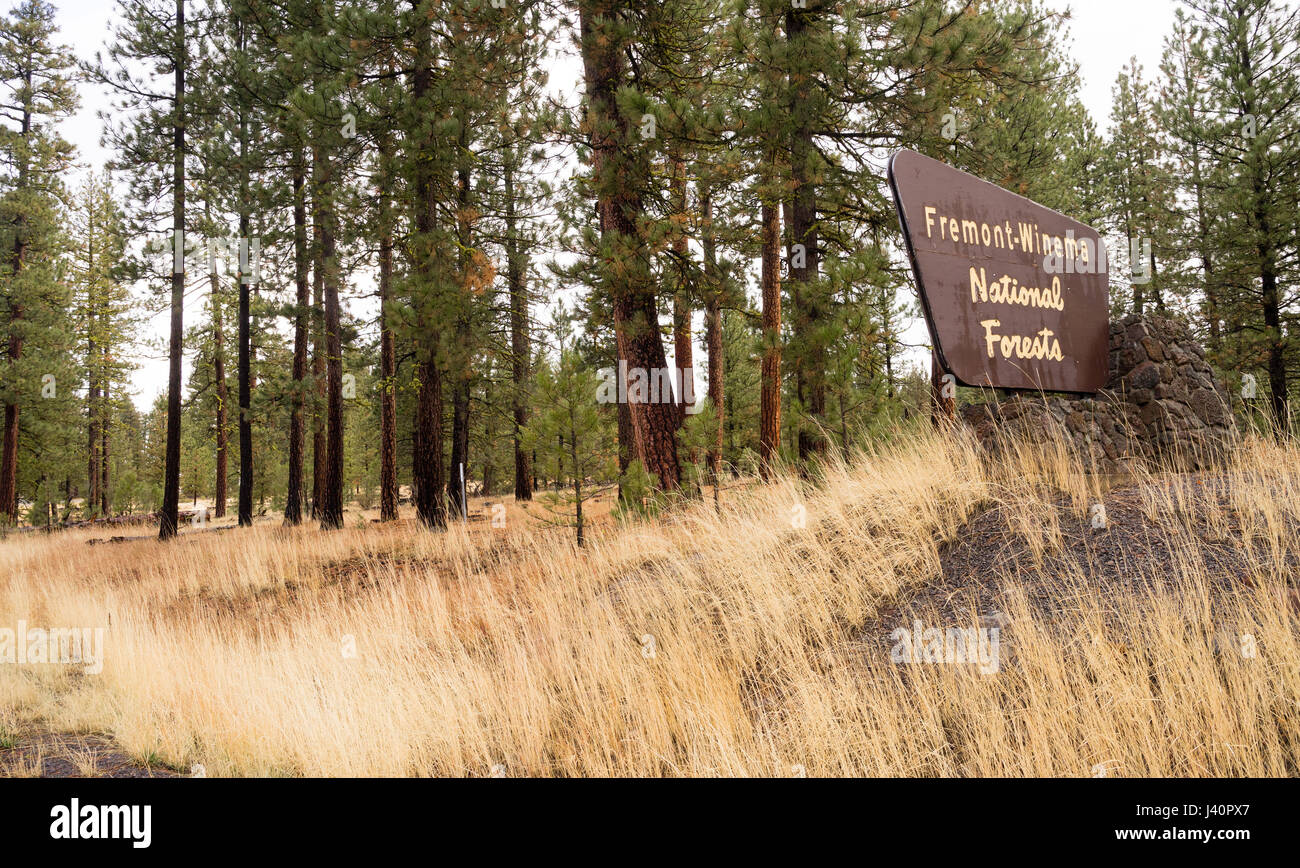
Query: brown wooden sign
[1015, 294]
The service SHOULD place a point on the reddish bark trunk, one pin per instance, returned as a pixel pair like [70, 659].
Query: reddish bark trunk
[620, 167]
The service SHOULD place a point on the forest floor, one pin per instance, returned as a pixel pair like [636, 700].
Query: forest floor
[797, 629]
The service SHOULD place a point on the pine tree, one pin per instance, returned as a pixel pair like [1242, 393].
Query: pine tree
[1140, 183]
[1183, 113]
[570, 419]
[106, 327]
[154, 35]
[35, 75]
[1248, 51]
[620, 182]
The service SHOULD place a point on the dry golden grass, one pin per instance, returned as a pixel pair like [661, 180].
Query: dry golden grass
[745, 643]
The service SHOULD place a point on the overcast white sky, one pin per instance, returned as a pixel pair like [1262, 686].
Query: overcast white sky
[1103, 35]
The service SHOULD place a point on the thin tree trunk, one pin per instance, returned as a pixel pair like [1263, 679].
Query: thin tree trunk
[245, 392]
[9, 449]
[92, 370]
[520, 351]
[246, 288]
[489, 436]
[683, 352]
[223, 393]
[245, 397]
[577, 481]
[769, 429]
[1277, 380]
[92, 400]
[388, 396]
[459, 445]
[105, 429]
[627, 445]
[844, 423]
[463, 371]
[297, 438]
[332, 497]
[1203, 247]
[169, 517]
[318, 451]
[713, 338]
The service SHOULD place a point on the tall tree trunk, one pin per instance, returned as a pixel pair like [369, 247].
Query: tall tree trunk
[105, 429]
[620, 165]
[713, 337]
[429, 471]
[769, 427]
[388, 490]
[93, 370]
[318, 450]
[520, 351]
[223, 393]
[388, 396]
[92, 402]
[1278, 393]
[683, 352]
[1203, 248]
[1266, 249]
[9, 448]
[464, 350]
[297, 437]
[489, 437]
[332, 496]
[245, 397]
[245, 389]
[105, 425]
[459, 445]
[169, 516]
[805, 291]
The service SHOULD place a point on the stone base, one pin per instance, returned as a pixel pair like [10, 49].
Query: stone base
[1161, 403]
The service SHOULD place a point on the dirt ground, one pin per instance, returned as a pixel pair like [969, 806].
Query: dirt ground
[1134, 551]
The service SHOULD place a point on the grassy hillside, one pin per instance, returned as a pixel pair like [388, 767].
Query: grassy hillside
[758, 641]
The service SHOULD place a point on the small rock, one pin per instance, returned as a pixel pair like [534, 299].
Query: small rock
[1144, 376]
[1097, 516]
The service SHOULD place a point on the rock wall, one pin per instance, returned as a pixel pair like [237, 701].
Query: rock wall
[1162, 402]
